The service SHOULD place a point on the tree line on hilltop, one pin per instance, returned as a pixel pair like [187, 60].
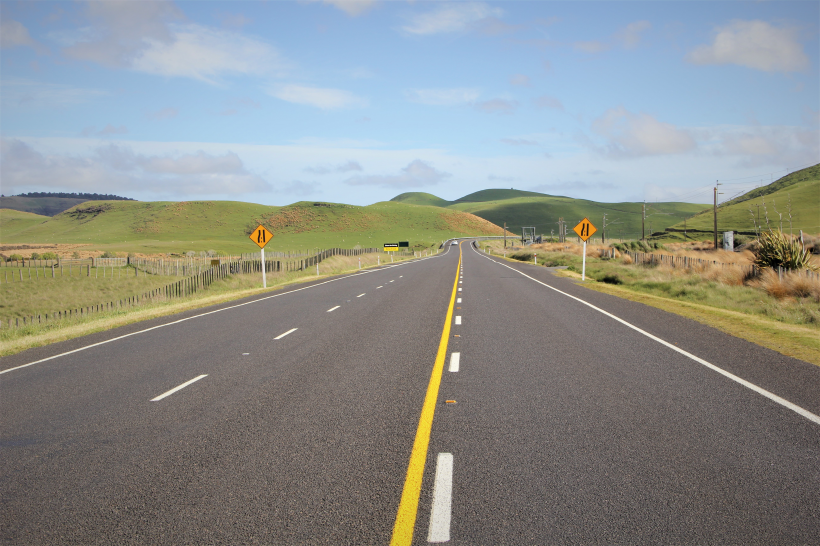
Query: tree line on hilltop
[86, 196]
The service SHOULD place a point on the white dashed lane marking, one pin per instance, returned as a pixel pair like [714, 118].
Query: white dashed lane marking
[442, 500]
[360, 295]
[175, 389]
[333, 308]
[458, 320]
[455, 360]
[280, 336]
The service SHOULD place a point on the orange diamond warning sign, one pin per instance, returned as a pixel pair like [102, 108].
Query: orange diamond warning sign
[585, 229]
[261, 236]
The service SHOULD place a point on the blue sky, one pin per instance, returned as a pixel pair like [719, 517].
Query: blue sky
[358, 101]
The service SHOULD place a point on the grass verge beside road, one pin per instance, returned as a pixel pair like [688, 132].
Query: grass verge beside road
[233, 287]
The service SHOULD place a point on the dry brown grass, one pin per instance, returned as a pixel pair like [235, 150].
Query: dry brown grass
[791, 285]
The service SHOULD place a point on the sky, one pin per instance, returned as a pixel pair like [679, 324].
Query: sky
[358, 101]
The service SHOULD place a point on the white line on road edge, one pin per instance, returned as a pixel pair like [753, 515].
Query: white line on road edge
[458, 320]
[175, 389]
[280, 336]
[360, 295]
[770, 395]
[442, 500]
[333, 308]
[455, 360]
[356, 274]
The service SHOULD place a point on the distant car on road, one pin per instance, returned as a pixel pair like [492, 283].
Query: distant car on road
[454, 243]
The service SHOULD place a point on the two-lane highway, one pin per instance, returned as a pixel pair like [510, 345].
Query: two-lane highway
[456, 398]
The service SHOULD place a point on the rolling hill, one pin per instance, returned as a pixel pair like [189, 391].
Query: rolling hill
[520, 208]
[177, 227]
[796, 194]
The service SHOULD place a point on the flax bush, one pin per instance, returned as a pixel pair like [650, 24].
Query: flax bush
[777, 250]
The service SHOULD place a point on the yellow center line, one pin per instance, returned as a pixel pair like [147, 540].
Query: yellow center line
[409, 504]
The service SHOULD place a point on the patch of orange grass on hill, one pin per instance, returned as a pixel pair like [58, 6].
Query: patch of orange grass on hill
[463, 222]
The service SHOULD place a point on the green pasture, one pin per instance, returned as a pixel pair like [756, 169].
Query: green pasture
[39, 293]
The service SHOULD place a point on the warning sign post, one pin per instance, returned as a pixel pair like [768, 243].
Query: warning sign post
[261, 236]
[585, 230]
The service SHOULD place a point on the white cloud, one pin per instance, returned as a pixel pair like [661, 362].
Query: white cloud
[497, 106]
[631, 135]
[753, 44]
[762, 145]
[14, 34]
[343, 168]
[165, 113]
[21, 92]
[454, 17]
[324, 98]
[206, 54]
[630, 36]
[521, 80]
[591, 46]
[117, 168]
[140, 36]
[415, 175]
[443, 97]
[545, 101]
[351, 7]
[111, 130]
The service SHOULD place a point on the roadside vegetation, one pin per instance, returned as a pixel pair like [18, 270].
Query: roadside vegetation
[780, 311]
[48, 295]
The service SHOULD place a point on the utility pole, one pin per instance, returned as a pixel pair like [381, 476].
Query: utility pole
[714, 211]
[643, 222]
[603, 232]
[505, 234]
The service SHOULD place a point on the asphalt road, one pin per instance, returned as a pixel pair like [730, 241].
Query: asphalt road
[562, 424]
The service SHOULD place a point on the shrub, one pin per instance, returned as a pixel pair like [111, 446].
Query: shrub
[107, 254]
[76, 255]
[612, 279]
[49, 256]
[777, 250]
[35, 255]
[15, 258]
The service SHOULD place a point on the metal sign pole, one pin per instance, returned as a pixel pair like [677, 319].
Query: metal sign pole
[264, 279]
[584, 263]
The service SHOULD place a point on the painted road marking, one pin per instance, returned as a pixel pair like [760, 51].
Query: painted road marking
[459, 289]
[360, 295]
[458, 320]
[442, 500]
[175, 389]
[378, 287]
[770, 395]
[333, 308]
[392, 281]
[280, 336]
[409, 503]
[455, 360]
[400, 276]
[458, 300]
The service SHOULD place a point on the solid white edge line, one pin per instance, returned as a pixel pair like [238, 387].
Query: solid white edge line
[770, 395]
[280, 336]
[333, 308]
[455, 361]
[216, 311]
[175, 389]
[458, 320]
[442, 500]
[360, 295]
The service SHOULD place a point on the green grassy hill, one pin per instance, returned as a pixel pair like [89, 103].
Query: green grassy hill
[798, 193]
[169, 227]
[47, 206]
[520, 208]
[15, 221]
[420, 198]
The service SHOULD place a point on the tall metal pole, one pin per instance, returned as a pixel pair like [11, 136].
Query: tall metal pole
[264, 279]
[714, 214]
[505, 234]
